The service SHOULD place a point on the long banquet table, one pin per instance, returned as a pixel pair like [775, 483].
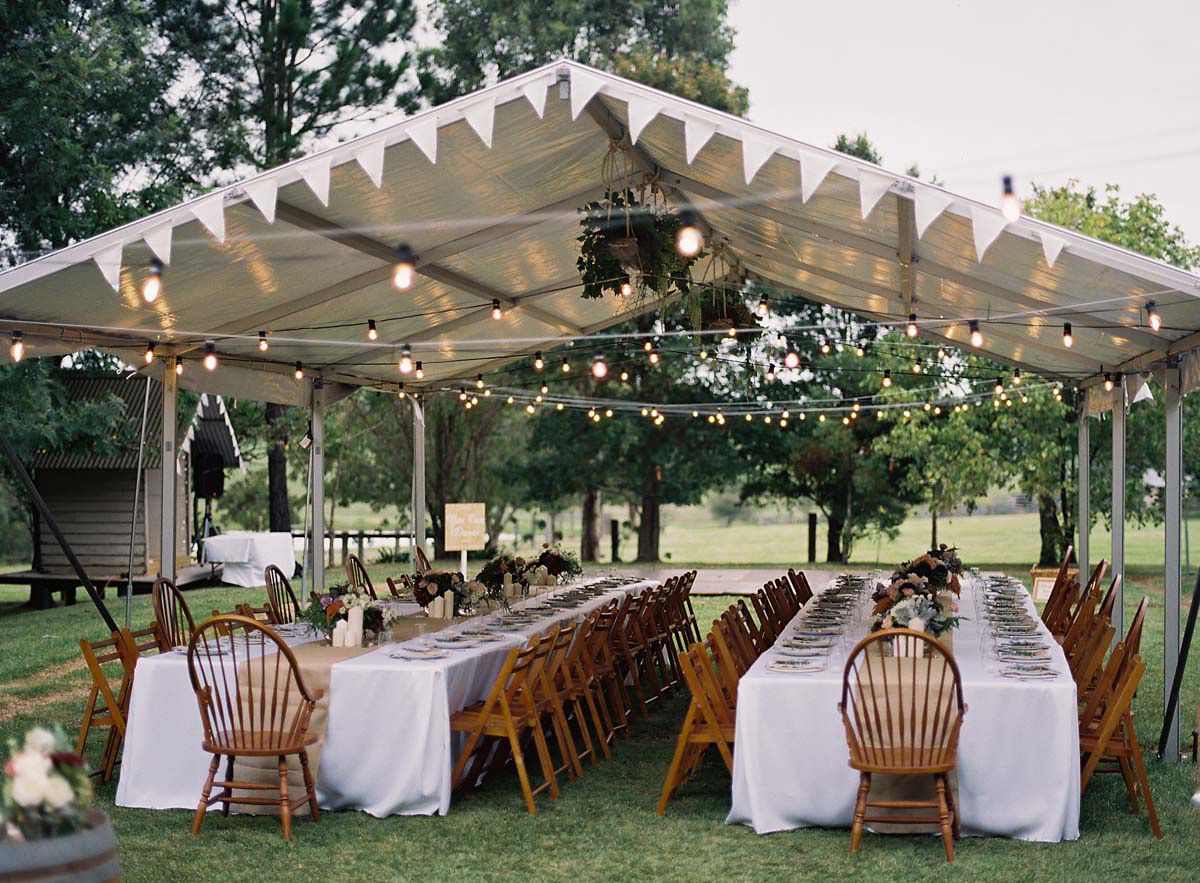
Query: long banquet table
[388, 748]
[1018, 754]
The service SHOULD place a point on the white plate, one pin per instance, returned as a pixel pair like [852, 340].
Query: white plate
[794, 666]
[414, 657]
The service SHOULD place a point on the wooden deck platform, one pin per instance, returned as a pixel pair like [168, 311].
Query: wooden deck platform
[42, 586]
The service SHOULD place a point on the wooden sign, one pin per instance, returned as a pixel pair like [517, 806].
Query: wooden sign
[466, 527]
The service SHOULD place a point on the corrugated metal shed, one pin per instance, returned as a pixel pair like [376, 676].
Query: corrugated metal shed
[129, 394]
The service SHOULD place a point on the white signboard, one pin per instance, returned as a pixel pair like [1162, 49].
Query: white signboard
[466, 527]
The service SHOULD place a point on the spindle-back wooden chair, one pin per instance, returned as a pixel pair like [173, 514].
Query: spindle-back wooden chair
[356, 572]
[175, 623]
[280, 597]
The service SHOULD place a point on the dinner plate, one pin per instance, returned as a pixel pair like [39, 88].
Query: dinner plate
[805, 652]
[796, 665]
[414, 655]
[454, 641]
[1028, 674]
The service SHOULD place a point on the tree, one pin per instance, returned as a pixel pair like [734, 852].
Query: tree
[281, 74]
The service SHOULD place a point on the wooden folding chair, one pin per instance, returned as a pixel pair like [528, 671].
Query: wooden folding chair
[549, 701]
[422, 560]
[577, 685]
[356, 572]
[804, 591]
[660, 646]
[1061, 582]
[281, 600]
[632, 652]
[709, 721]
[604, 669]
[114, 705]
[175, 623]
[759, 633]
[405, 581]
[767, 625]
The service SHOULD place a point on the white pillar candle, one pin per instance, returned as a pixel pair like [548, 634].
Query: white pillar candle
[339, 634]
[355, 628]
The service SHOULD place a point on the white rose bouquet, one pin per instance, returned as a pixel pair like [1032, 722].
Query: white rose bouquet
[45, 789]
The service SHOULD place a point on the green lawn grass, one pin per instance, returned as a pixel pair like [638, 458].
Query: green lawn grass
[604, 826]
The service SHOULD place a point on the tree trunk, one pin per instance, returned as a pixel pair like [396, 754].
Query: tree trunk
[833, 538]
[932, 529]
[279, 514]
[1050, 531]
[648, 525]
[589, 545]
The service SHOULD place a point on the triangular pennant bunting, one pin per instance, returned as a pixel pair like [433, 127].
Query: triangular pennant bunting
[696, 133]
[535, 94]
[871, 187]
[262, 193]
[1051, 246]
[755, 152]
[316, 176]
[1139, 383]
[210, 212]
[482, 115]
[370, 158]
[424, 135]
[584, 85]
[109, 262]
[813, 169]
[929, 205]
[159, 240]
[641, 112]
[987, 223]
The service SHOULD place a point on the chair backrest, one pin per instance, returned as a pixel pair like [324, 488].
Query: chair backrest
[405, 581]
[708, 693]
[1060, 585]
[143, 641]
[423, 565]
[766, 616]
[758, 635]
[737, 628]
[175, 623]
[1110, 597]
[902, 713]
[804, 591]
[728, 665]
[280, 597]
[1086, 661]
[248, 684]
[356, 572]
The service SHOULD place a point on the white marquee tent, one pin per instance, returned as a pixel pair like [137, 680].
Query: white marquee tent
[486, 191]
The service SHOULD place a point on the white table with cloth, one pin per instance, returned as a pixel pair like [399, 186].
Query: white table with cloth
[246, 554]
[1018, 753]
[388, 748]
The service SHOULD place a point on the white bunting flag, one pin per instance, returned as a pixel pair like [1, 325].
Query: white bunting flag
[159, 240]
[696, 133]
[109, 262]
[262, 192]
[929, 205]
[584, 85]
[813, 169]
[535, 94]
[316, 175]
[1051, 246]
[482, 115]
[1139, 383]
[369, 157]
[641, 112]
[210, 212]
[755, 153]
[424, 134]
[871, 187]
[987, 223]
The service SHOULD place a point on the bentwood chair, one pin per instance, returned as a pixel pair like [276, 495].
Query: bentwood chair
[253, 703]
[356, 572]
[175, 623]
[902, 715]
[280, 597]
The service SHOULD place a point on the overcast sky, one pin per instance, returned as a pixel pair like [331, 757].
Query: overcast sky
[1099, 90]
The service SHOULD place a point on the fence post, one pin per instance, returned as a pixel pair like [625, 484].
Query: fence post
[614, 529]
[345, 545]
[359, 538]
[812, 537]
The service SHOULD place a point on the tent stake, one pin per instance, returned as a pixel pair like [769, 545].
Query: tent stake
[23, 475]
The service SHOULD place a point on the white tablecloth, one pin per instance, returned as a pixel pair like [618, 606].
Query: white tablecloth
[1018, 754]
[388, 747]
[246, 555]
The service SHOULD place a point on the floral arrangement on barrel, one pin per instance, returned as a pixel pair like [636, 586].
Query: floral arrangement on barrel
[46, 789]
[324, 613]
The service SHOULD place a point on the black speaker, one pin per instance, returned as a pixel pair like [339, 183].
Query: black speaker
[208, 477]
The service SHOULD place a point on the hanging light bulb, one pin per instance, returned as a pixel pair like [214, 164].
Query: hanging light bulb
[689, 240]
[529, 409]
[1109, 382]
[263, 346]
[771, 373]
[178, 367]
[911, 328]
[1068, 338]
[749, 418]
[406, 363]
[976, 336]
[887, 378]
[400, 393]
[647, 345]
[783, 423]
[538, 362]
[860, 351]
[626, 287]
[462, 393]
[479, 384]
[917, 368]
[496, 311]
[703, 355]
[654, 357]
[927, 406]
[821, 418]
[791, 358]
[608, 412]
[937, 411]
[420, 371]
[786, 414]
[1016, 376]
[907, 413]
[762, 309]
[566, 367]
[1010, 206]
[372, 331]
[509, 400]
[152, 284]
[624, 376]
[16, 349]
[712, 419]
[825, 347]
[149, 356]
[210, 356]
[403, 270]
[999, 387]
[558, 407]
[941, 354]
[599, 367]
[299, 372]
[1154, 318]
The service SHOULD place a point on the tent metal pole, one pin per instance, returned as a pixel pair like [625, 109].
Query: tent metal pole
[1172, 582]
[137, 493]
[304, 544]
[31, 488]
[318, 488]
[1085, 497]
[1117, 565]
[418, 486]
[168, 464]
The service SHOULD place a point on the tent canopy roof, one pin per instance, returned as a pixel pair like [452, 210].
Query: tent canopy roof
[486, 191]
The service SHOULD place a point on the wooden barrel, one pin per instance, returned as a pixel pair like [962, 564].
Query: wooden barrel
[87, 856]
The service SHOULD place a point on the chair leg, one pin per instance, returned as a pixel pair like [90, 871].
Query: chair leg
[673, 772]
[285, 808]
[1131, 783]
[944, 815]
[543, 750]
[204, 793]
[1140, 769]
[310, 786]
[227, 791]
[589, 750]
[603, 729]
[860, 811]
[955, 821]
[519, 762]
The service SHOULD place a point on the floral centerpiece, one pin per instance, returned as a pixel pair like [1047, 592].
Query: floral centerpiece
[940, 567]
[46, 789]
[559, 563]
[492, 574]
[917, 612]
[913, 597]
[433, 584]
[323, 614]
